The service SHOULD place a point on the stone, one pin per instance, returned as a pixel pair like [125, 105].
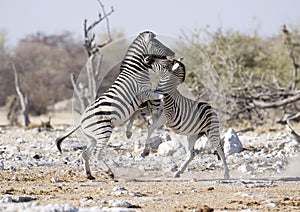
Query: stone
[279, 164]
[232, 143]
[118, 191]
[245, 168]
[11, 198]
[119, 203]
[168, 148]
[1, 165]
[203, 145]
[20, 140]
[136, 194]
[55, 180]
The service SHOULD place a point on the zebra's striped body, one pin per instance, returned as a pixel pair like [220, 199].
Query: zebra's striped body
[122, 99]
[185, 116]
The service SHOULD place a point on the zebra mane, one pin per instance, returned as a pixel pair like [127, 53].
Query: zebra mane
[146, 45]
[179, 70]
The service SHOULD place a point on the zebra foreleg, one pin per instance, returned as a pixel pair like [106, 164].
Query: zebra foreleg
[222, 156]
[149, 95]
[158, 123]
[130, 123]
[191, 140]
[217, 144]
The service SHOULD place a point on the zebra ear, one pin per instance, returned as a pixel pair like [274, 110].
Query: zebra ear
[175, 66]
[148, 32]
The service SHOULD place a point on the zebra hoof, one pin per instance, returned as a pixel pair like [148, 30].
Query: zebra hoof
[128, 134]
[91, 177]
[144, 154]
[111, 175]
[177, 174]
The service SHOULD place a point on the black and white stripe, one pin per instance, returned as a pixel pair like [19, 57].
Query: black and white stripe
[185, 116]
[123, 98]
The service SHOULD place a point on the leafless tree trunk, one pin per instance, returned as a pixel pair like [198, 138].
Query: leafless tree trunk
[22, 97]
[88, 92]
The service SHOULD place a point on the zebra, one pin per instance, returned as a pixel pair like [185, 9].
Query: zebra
[122, 99]
[151, 108]
[184, 116]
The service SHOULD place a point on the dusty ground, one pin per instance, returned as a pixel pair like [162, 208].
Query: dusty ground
[158, 194]
[41, 172]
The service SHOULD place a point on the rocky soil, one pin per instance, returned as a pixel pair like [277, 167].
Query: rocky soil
[265, 175]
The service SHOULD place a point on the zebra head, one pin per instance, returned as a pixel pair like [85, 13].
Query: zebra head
[153, 47]
[167, 68]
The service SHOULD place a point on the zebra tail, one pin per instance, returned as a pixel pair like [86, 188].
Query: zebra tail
[60, 140]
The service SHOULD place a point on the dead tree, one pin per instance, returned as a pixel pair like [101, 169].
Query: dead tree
[23, 98]
[89, 37]
[87, 92]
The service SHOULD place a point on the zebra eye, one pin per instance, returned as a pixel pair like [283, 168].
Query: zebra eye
[147, 60]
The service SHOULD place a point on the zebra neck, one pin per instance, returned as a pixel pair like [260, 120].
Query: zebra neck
[133, 65]
[166, 89]
[167, 85]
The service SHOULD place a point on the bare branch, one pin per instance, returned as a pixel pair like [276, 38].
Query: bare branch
[279, 103]
[89, 44]
[79, 94]
[107, 24]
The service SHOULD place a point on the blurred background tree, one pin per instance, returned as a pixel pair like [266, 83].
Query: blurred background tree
[250, 70]
[44, 62]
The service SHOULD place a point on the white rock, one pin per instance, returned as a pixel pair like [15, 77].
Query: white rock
[1, 165]
[279, 164]
[263, 164]
[6, 199]
[86, 201]
[119, 203]
[291, 146]
[12, 198]
[119, 188]
[232, 143]
[55, 180]
[246, 169]
[203, 144]
[20, 140]
[169, 148]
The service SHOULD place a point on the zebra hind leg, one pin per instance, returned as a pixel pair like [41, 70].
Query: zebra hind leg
[156, 124]
[100, 145]
[191, 140]
[86, 155]
[217, 144]
[93, 150]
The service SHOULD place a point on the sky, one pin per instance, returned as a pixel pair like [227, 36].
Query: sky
[169, 17]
